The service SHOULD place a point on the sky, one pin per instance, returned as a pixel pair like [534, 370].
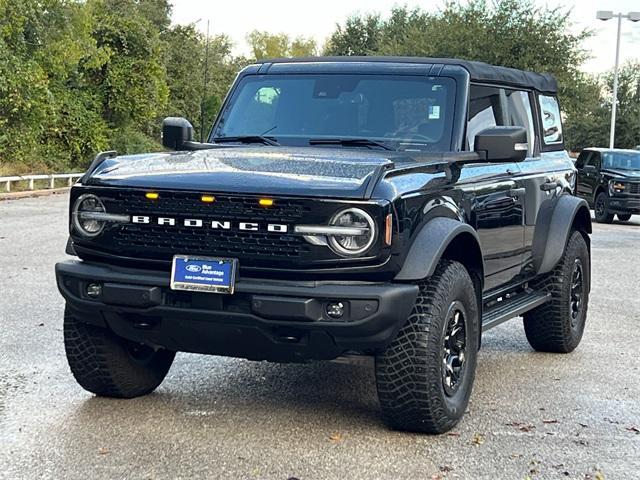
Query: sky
[317, 19]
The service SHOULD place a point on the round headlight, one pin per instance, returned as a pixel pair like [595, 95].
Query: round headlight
[83, 220]
[353, 245]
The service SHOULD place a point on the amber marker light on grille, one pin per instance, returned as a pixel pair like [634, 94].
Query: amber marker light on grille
[266, 202]
[152, 195]
[388, 230]
[208, 198]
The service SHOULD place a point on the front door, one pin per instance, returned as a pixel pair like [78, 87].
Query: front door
[497, 215]
[583, 188]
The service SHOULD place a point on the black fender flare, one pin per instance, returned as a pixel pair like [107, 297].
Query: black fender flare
[553, 227]
[429, 245]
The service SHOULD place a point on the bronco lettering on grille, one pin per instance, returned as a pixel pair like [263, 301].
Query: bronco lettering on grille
[216, 224]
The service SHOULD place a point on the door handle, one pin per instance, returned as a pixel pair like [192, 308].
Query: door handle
[548, 186]
[517, 192]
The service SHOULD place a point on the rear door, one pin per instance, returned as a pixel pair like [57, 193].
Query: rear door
[546, 173]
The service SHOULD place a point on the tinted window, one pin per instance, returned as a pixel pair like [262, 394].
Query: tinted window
[551, 121]
[594, 159]
[405, 111]
[582, 159]
[492, 106]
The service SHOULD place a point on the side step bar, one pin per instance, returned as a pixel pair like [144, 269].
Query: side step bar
[513, 307]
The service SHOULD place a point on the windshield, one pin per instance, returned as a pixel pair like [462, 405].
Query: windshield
[404, 112]
[622, 160]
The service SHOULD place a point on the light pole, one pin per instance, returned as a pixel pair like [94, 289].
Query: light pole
[608, 15]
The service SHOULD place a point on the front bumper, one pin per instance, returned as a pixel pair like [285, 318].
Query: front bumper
[262, 320]
[624, 205]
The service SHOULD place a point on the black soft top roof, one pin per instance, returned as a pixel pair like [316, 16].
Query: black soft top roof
[478, 71]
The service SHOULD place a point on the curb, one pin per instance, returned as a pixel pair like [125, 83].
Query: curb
[33, 193]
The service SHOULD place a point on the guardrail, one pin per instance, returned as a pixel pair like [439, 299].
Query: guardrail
[69, 177]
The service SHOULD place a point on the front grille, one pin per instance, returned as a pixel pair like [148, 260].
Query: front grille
[162, 242]
[171, 241]
[225, 206]
[633, 188]
[155, 245]
[150, 243]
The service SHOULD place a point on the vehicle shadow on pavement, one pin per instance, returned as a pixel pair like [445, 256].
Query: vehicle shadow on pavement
[240, 392]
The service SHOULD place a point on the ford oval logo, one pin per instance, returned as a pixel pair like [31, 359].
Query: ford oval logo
[193, 268]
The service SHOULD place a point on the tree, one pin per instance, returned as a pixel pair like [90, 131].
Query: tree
[628, 113]
[48, 115]
[590, 127]
[270, 45]
[132, 79]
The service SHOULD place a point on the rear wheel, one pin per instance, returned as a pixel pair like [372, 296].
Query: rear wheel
[111, 366]
[558, 325]
[602, 215]
[624, 218]
[426, 374]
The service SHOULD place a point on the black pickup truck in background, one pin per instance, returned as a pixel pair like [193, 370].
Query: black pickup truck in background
[609, 180]
[387, 207]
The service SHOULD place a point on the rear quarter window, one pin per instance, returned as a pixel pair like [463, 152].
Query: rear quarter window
[550, 120]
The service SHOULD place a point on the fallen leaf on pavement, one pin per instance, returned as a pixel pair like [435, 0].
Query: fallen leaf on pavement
[550, 421]
[103, 451]
[454, 434]
[634, 429]
[335, 437]
[478, 439]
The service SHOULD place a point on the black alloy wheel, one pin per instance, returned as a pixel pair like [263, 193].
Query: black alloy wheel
[453, 359]
[577, 291]
[602, 216]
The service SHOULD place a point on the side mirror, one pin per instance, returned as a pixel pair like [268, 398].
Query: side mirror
[176, 132]
[502, 144]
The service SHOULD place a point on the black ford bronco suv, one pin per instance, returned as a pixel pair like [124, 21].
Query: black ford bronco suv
[393, 208]
[609, 180]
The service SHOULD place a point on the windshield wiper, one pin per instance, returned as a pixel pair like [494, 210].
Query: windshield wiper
[247, 139]
[365, 142]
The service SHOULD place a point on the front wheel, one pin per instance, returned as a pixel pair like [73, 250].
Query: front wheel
[425, 376]
[624, 218]
[111, 366]
[602, 215]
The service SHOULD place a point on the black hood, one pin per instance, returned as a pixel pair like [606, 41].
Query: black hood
[326, 172]
[631, 174]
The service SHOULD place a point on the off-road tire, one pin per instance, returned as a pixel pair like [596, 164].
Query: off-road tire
[600, 209]
[551, 327]
[106, 365]
[410, 371]
[624, 218]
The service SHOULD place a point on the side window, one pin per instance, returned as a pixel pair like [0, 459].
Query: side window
[582, 159]
[551, 121]
[494, 106]
[485, 111]
[594, 160]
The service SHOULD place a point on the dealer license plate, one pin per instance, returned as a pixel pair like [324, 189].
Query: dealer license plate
[203, 274]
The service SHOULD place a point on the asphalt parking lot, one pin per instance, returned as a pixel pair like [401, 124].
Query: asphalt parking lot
[531, 415]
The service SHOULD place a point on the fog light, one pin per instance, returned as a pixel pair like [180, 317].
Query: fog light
[335, 309]
[94, 290]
